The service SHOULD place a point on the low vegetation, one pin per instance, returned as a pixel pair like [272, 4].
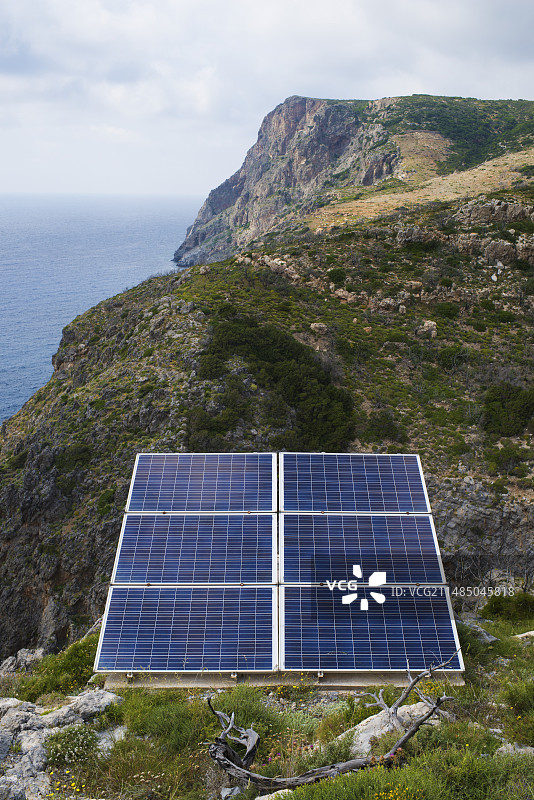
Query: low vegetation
[164, 755]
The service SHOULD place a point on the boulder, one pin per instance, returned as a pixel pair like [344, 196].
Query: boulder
[16, 720]
[480, 633]
[428, 329]
[23, 660]
[66, 715]
[106, 739]
[93, 701]
[379, 724]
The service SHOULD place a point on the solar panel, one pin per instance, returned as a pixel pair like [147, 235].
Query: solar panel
[321, 547]
[410, 631]
[255, 562]
[203, 482]
[184, 629]
[192, 548]
[352, 482]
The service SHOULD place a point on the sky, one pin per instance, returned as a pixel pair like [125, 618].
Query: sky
[166, 96]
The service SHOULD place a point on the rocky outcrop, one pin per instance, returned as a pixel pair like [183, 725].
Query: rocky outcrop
[305, 148]
[480, 211]
[28, 727]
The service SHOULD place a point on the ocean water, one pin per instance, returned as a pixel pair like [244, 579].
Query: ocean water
[60, 255]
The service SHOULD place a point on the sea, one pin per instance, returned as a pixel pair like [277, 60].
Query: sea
[62, 254]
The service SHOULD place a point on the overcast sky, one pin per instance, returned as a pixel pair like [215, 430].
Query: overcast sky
[166, 96]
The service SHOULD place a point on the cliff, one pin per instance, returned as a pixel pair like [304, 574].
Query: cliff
[313, 153]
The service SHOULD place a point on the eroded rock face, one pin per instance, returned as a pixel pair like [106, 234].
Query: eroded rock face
[303, 146]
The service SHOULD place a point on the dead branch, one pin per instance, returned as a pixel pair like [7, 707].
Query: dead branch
[226, 757]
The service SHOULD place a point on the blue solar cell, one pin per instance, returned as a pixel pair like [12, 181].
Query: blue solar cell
[158, 548]
[404, 632]
[321, 547]
[203, 482]
[353, 482]
[187, 629]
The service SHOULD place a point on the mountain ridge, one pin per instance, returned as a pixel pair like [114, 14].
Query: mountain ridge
[311, 153]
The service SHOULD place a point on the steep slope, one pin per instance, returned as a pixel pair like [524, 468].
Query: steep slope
[413, 333]
[315, 154]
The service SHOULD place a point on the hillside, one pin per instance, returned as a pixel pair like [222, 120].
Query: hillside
[328, 160]
[413, 333]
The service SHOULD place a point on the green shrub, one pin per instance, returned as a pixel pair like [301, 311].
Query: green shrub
[447, 310]
[72, 745]
[519, 695]
[246, 702]
[382, 426]
[77, 455]
[528, 287]
[105, 501]
[18, 461]
[337, 275]
[504, 316]
[510, 607]
[144, 389]
[174, 721]
[479, 325]
[507, 409]
[452, 357]
[323, 413]
[65, 672]
[507, 459]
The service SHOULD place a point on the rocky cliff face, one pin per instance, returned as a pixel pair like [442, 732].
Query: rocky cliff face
[311, 153]
[305, 147]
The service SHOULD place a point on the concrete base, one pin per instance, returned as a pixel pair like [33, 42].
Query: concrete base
[326, 680]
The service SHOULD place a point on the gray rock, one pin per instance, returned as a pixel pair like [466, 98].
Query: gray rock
[428, 329]
[106, 739]
[93, 701]
[23, 660]
[11, 789]
[16, 720]
[37, 787]
[275, 795]
[512, 748]
[379, 724]
[61, 716]
[480, 633]
[5, 743]
[8, 702]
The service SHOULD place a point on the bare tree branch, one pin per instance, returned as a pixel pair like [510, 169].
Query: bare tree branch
[234, 765]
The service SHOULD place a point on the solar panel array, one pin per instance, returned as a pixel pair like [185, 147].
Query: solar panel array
[233, 562]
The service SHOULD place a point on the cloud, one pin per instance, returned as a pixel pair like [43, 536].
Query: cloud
[190, 80]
